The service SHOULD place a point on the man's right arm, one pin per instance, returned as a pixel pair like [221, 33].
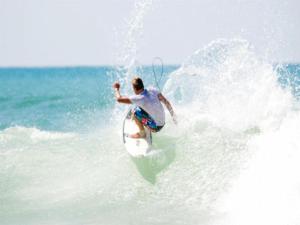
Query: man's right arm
[168, 105]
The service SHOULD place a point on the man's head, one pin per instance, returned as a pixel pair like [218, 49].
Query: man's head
[137, 85]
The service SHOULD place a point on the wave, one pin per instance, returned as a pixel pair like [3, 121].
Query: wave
[243, 122]
[228, 84]
[36, 100]
[33, 134]
[232, 159]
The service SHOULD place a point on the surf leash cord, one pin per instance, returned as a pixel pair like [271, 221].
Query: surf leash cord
[157, 82]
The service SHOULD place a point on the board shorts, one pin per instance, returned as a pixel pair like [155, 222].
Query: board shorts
[146, 119]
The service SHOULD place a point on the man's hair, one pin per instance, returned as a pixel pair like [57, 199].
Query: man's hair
[137, 83]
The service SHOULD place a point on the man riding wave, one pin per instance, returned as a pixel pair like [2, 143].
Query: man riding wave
[148, 111]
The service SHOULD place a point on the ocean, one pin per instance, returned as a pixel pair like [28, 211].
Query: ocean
[233, 158]
[60, 99]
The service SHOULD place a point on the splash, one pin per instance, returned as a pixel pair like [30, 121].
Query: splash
[227, 83]
[231, 101]
[128, 51]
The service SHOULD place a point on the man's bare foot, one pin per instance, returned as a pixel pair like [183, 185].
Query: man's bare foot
[141, 134]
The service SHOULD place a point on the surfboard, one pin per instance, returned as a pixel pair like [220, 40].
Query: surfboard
[136, 147]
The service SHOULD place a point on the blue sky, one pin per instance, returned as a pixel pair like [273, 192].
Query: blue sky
[93, 32]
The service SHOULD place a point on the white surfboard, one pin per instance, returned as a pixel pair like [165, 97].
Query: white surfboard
[136, 147]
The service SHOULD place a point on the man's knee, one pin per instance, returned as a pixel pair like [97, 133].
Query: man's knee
[135, 118]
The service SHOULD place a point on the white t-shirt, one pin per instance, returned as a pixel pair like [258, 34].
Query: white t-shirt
[149, 102]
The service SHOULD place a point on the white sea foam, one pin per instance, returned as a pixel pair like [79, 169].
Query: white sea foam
[268, 191]
[226, 88]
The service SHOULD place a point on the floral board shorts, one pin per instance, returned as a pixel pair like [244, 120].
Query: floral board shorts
[146, 119]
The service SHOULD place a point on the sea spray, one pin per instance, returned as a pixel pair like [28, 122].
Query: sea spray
[267, 192]
[226, 95]
[127, 53]
[230, 85]
[127, 49]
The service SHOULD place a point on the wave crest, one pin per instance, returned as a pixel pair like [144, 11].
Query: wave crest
[228, 84]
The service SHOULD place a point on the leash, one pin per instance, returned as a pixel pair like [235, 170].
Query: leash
[157, 82]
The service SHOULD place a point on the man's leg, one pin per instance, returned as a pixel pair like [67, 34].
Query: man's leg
[141, 133]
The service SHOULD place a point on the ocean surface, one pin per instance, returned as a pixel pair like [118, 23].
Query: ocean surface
[233, 158]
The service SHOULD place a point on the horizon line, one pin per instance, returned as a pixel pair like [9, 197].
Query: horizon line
[75, 66]
[101, 65]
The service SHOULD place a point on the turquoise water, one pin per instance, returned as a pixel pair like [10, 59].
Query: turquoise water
[233, 158]
[51, 98]
[62, 99]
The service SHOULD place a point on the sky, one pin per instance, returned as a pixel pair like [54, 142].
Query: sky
[94, 32]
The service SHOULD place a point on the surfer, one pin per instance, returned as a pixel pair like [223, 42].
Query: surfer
[148, 111]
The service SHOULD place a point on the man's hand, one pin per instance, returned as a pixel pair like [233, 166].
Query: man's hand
[119, 98]
[116, 85]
